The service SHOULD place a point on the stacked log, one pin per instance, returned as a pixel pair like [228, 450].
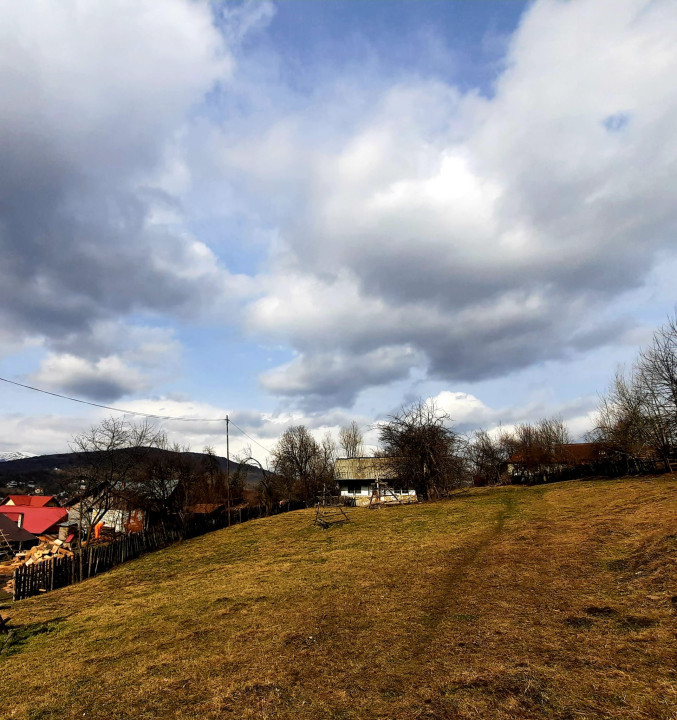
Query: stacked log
[46, 550]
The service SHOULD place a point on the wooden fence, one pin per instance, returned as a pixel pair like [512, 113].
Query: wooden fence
[51, 574]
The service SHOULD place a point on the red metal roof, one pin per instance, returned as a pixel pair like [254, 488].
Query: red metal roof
[37, 520]
[29, 500]
[205, 508]
[579, 452]
[569, 453]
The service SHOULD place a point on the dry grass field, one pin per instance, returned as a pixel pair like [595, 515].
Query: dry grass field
[556, 601]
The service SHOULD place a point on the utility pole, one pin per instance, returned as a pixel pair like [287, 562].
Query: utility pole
[228, 465]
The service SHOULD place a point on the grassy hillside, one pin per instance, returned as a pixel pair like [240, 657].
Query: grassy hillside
[549, 602]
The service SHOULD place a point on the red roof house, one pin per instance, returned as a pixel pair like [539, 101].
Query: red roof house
[36, 520]
[566, 454]
[31, 500]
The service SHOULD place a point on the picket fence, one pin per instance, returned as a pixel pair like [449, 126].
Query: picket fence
[55, 573]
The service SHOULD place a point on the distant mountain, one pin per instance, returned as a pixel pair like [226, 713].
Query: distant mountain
[9, 456]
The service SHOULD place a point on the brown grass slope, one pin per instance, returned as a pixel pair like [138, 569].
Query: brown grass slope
[548, 602]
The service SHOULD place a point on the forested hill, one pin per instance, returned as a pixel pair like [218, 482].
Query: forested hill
[44, 470]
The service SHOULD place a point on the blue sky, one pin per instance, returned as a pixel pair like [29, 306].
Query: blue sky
[461, 42]
[312, 212]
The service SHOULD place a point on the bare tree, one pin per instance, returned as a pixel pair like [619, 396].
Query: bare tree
[619, 425]
[325, 463]
[656, 375]
[537, 450]
[267, 488]
[203, 481]
[351, 440]
[164, 481]
[302, 464]
[631, 420]
[487, 456]
[107, 457]
[424, 452]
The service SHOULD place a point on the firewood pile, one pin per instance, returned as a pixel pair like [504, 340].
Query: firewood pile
[46, 550]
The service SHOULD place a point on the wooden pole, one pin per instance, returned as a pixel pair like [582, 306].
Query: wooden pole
[228, 465]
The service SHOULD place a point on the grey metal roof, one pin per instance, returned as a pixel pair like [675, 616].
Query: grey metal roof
[13, 532]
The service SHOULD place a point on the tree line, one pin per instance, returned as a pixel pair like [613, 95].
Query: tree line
[637, 417]
[423, 452]
[635, 428]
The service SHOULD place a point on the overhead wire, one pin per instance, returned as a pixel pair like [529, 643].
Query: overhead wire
[250, 437]
[133, 412]
[114, 409]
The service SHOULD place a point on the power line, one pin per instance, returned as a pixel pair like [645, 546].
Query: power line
[114, 409]
[249, 436]
[132, 412]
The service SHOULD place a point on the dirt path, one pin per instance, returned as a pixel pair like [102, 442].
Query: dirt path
[448, 594]
[534, 620]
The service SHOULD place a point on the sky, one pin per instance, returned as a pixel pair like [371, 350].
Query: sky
[303, 212]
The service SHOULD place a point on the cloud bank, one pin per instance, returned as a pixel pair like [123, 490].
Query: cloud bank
[95, 101]
[168, 170]
[477, 235]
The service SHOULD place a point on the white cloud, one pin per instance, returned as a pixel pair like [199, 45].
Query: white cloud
[260, 430]
[415, 230]
[39, 434]
[486, 234]
[246, 19]
[462, 407]
[467, 412]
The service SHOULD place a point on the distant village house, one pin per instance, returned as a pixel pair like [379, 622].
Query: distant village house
[568, 460]
[31, 500]
[357, 479]
[115, 519]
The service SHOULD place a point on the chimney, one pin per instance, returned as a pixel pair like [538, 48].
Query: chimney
[20, 520]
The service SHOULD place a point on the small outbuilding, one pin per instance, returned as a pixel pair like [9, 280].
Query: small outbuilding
[119, 518]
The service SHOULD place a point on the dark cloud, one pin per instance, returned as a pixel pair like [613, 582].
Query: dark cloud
[98, 390]
[107, 379]
[84, 134]
[336, 379]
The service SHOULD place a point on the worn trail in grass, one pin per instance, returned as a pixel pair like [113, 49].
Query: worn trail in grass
[549, 602]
